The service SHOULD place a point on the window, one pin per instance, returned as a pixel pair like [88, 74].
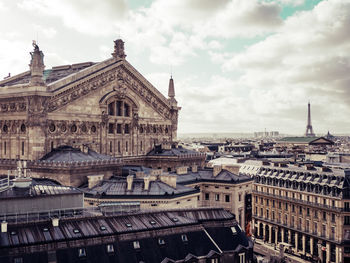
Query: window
[239, 197]
[256, 199]
[333, 217]
[126, 110]
[128, 225]
[136, 244]
[110, 146]
[119, 108]
[73, 128]
[233, 229]
[217, 197]
[141, 148]
[103, 228]
[5, 148]
[227, 198]
[206, 196]
[267, 201]
[273, 215]
[110, 248]
[346, 220]
[214, 260]
[126, 129]
[293, 208]
[126, 146]
[152, 222]
[307, 211]
[324, 216]
[279, 205]
[315, 227]
[273, 203]
[111, 107]
[241, 258]
[76, 231]
[184, 238]
[81, 252]
[286, 207]
[22, 148]
[119, 128]
[118, 146]
[161, 241]
[111, 128]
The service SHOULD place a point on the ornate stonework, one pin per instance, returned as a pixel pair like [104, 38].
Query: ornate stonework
[109, 106]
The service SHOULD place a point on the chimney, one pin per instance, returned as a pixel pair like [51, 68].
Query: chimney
[169, 179]
[129, 179]
[147, 181]
[3, 227]
[140, 174]
[194, 168]
[94, 180]
[216, 170]
[55, 222]
[181, 170]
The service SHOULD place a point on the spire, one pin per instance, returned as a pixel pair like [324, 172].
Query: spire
[119, 49]
[171, 91]
[37, 66]
[309, 131]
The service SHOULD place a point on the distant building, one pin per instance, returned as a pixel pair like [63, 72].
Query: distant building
[224, 187]
[154, 191]
[191, 235]
[306, 209]
[24, 195]
[304, 142]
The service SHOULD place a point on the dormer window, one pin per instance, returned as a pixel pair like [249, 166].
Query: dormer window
[103, 228]
[81, 252]
[184, 238]
[128, 225]
[136, 244]
[76, 231]
[174, 219]
[110, 248]
[152, 222]
[161, 241]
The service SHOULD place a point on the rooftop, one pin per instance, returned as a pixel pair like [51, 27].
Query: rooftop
[38, 187]
[119, 188]
[50, 75]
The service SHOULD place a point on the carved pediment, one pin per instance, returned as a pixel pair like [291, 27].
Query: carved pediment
[122, 79]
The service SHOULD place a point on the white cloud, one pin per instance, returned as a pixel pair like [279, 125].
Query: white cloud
[48, 32]
[86, 16]
[299, 63]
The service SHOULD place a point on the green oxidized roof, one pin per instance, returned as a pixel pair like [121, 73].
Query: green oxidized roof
[298, 139]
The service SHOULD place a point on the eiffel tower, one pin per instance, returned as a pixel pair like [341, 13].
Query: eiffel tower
[309, 131]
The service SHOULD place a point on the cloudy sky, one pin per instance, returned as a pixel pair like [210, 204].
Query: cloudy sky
[238, 66]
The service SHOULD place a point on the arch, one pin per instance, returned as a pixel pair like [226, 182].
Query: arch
[116, 95]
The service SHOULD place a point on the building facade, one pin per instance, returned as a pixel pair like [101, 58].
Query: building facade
[108, 106]
[303, 208]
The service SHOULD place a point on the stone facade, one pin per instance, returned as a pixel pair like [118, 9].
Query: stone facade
[108, 106]
[304, 209]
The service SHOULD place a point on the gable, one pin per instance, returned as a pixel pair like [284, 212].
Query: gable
[321, 140]
[89, 87]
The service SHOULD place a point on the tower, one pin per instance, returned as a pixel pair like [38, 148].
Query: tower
[309, 131]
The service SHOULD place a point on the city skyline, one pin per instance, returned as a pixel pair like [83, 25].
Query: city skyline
[238, 66]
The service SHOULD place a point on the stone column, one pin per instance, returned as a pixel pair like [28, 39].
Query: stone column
[328, 252]
[304, 243]
[276, 235]
[338, 256]
[270, 234]
[289, 236]
[311, 245]
[264, 231]
[282, 234]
